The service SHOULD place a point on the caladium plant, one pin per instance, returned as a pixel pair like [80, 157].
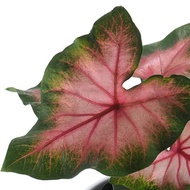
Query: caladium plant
[86, 119]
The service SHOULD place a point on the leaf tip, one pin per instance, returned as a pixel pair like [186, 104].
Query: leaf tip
[11, 89]
[3, 168]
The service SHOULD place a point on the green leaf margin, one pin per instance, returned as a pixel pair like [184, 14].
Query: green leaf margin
[170, 40]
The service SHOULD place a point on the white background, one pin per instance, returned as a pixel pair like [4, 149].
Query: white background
[32, 32]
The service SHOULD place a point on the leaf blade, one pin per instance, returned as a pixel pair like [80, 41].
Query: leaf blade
[84, 109]
[50, 142]
[168, 56]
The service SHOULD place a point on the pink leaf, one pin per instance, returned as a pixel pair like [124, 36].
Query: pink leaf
[88, 120]
[167, 57]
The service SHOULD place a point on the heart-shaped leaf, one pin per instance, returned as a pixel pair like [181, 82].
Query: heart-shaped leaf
[31, 96]
[88, 120]
[167, 57]
[170, 170]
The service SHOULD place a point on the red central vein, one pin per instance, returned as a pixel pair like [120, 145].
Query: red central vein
[115, 131]
[116, 75]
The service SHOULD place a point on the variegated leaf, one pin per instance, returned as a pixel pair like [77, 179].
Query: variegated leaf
[167, 57]
[88, 120]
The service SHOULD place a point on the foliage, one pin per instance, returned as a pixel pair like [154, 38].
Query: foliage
[171, 168]
[86, 119]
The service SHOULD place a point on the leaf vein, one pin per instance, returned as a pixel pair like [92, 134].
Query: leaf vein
[95, 83]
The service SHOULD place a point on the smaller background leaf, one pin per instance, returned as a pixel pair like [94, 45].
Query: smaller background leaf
[167, 57]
